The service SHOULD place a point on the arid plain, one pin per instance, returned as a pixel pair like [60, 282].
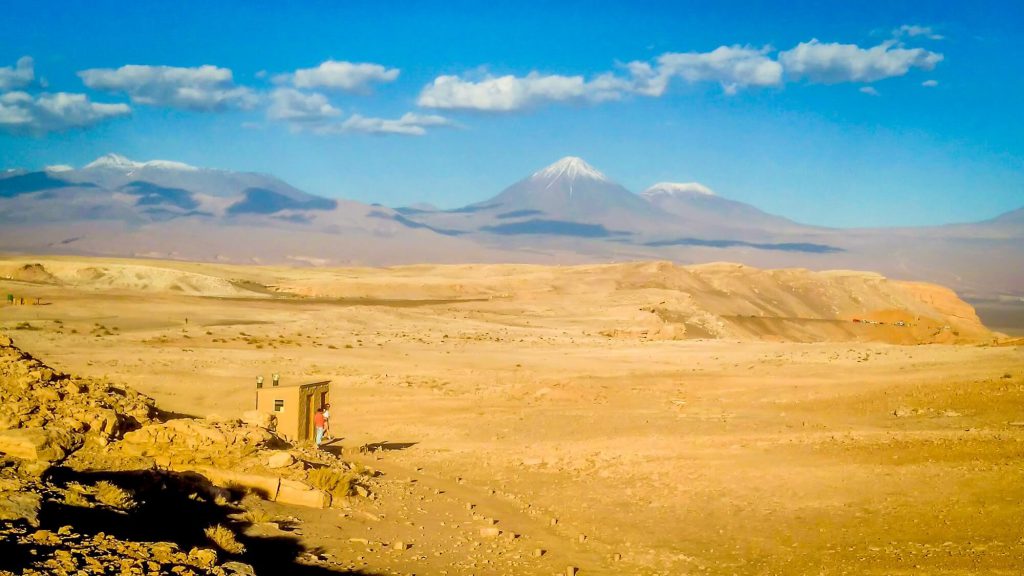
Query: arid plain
[637, 418]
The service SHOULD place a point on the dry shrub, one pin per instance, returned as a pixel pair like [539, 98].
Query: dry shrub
[113, 496]
[225, 539]
[339, 483]
[256, 516]
[76, 498]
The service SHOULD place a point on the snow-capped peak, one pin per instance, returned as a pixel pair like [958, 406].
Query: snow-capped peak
[677, 189]
[118, 162]
[113, 161]
[570, 167]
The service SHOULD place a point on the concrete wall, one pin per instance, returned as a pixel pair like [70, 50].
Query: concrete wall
[294, 422]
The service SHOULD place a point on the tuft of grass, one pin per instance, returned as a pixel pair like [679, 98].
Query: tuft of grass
[76, 498]
[24, 326]
[224, 538]
[339, 483]
[256, 515]
[114, 496]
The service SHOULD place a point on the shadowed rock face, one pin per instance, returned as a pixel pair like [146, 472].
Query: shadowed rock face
[34, 182]
[152, 195]
[552, 228]
[263, 201]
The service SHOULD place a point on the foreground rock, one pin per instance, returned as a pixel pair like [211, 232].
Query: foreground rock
[82, 459]
[71, 411]
[66, 552]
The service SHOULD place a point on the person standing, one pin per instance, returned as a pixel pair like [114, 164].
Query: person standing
[318, 426]
[327, 422]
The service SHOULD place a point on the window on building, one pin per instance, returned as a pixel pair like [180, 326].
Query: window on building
[278, 405]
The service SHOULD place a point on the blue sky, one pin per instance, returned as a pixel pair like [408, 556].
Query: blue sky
[887, 113]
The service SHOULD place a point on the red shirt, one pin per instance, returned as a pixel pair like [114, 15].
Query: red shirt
[318, 420]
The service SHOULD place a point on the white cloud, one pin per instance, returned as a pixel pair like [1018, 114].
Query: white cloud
[733, 67]
[339, 75]
[23, 113]
[508, 93]
[930, 83]
[290, 105]
[913, 30]
[202, 88]
[831, 63]
[410, 124]
[17, 76]
[869, 90]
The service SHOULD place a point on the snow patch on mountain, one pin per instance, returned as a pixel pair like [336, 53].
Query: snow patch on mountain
[119, 162]
[58, 168]
[569, 167]
[691, 189]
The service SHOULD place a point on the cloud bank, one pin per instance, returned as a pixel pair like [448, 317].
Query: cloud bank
[734, 68]
[340, 75]
[831, 63]
[290, 105]
[23, 113]
[201, 89]
[18, 76]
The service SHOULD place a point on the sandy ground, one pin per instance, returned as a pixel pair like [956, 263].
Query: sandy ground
[614, 455]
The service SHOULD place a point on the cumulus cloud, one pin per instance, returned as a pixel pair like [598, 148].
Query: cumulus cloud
[830, 63]
[23, 113]
[930, 83]
[300, 108]
[869, 90]
[339, 75]
[733, 67]
[914, 30]
[17, 76]
[410, 124]
[508, 93]
[202, 88]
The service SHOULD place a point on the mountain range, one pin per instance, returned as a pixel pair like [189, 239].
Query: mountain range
[568, 212]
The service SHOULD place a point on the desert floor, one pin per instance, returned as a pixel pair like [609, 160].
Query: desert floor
[614, 455]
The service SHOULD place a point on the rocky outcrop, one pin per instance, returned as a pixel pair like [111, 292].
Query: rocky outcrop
[66, 552]
[48, 415]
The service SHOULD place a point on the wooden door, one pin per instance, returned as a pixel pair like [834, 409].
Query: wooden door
[311, 420]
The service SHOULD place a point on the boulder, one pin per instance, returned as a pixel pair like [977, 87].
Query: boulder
[280, 460]
[20, 506]
[266, 487]
[38, 444]
[202, 557]
[300, 494]
[260, 419]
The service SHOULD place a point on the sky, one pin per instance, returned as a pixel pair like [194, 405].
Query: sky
[830, 113]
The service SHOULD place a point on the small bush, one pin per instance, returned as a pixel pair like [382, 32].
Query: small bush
[76, 498]
[256, 515]
[225, 539]
[114, 496]
[24, 326]
[339, 483]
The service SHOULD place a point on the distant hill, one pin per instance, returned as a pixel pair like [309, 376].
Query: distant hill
[567, 212]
